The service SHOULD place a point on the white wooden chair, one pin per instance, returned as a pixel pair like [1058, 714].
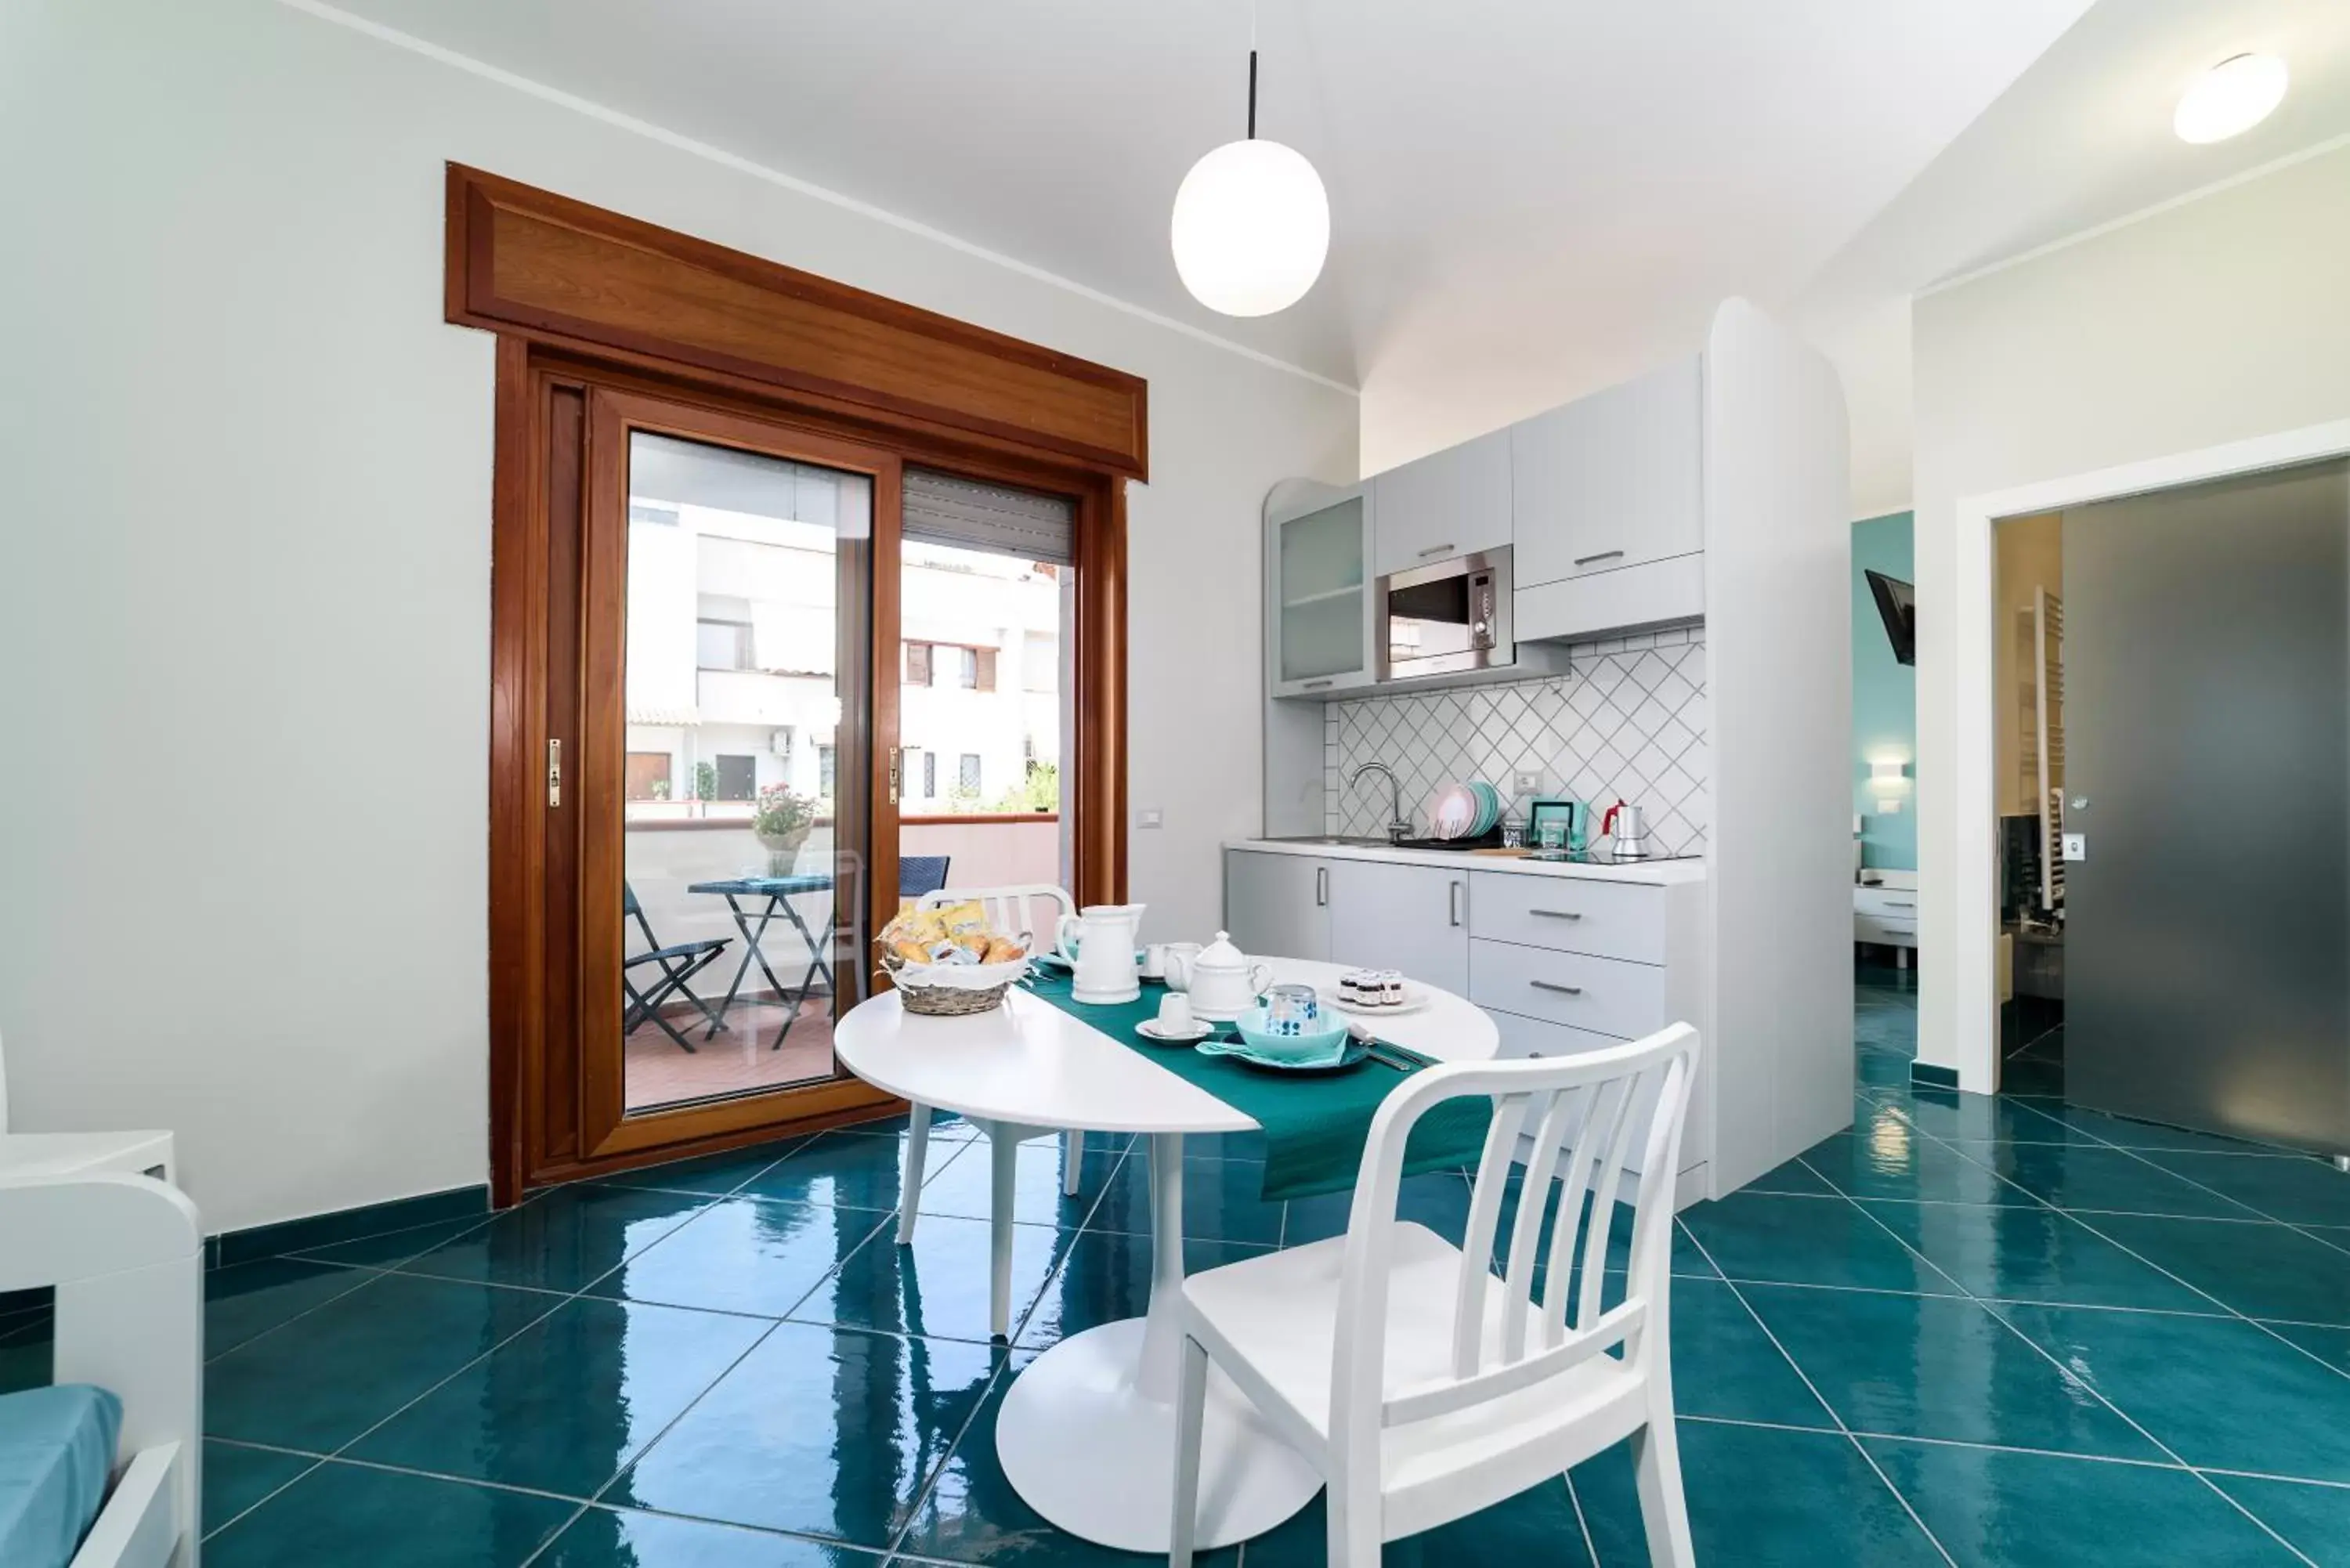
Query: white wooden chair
[1035, 909]
[126, 1256]
[73, 1153]
[1424, 1386]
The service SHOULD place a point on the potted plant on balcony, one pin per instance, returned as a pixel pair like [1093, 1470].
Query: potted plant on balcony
[782, 823]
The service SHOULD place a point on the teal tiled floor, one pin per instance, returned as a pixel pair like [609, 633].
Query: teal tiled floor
[1968, 1331]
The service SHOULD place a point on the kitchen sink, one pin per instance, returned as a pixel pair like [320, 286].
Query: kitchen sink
[1335, 839]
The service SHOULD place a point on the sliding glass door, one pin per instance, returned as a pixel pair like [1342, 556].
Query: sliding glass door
[732, 823]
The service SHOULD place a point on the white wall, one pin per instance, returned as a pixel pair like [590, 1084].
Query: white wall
[2218, 320]
[244, 599]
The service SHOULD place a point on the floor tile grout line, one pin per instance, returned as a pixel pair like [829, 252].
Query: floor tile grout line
[2064, 1372]
[630, 1462]
[2300, 1228]
[368, 1276]
[353, 1461]
[1582, 1522]
[2077, 1217]
[1867, 1457]
[1001, 1375]
[271, 1495]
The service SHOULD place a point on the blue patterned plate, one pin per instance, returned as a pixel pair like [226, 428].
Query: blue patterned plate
[1356, 1054]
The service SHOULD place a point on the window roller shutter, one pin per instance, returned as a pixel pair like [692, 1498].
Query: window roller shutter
[940, 509]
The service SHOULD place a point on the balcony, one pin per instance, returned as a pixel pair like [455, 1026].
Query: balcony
[672, 845]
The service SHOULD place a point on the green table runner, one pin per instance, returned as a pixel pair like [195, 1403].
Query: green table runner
[1316, 1124]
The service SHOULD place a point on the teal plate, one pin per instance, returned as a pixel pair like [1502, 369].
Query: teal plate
[1357, 1052]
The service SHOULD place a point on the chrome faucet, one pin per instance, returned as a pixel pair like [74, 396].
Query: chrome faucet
[1399, 826]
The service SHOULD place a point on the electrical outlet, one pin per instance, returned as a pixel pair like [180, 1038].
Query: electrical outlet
[2076, 846]
[1152, 816]
[1529, 782]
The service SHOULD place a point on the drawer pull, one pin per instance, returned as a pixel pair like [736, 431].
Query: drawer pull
[1890, 905]
[1444, 549]
[1603, 555]
[1553, 985]
[1558, 914]
[1317, 685]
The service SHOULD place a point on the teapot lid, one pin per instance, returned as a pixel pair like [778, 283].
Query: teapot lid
[1221, 954]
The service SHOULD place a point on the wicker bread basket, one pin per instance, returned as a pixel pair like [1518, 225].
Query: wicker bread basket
[950, 990]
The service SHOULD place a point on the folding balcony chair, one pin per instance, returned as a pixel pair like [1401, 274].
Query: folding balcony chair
[676, 965]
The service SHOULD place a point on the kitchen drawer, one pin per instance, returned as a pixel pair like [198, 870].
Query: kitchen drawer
[1601, 995]
[1525, 1037]
[1569, 914]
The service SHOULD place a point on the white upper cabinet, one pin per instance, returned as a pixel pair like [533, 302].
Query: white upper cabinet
[1318, 595]
[1450, 503]
[1612, 480]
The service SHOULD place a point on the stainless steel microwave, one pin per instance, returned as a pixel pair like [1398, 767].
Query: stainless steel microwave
[1445, 618]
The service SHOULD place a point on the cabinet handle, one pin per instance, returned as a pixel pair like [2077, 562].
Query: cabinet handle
[1444, 549]
[1321, 886]
[1558, 914]
[1893, 906]
[1553, 985]
[1455, 895]
[1315, 685]
[1603, 555]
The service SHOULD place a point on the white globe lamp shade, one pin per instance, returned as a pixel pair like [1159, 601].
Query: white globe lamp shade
[2231, 98]
[1252, 228]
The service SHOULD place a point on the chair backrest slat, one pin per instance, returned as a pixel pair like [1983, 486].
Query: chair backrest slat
[1588, 1113]
[1509, 1111]
[1014, 908]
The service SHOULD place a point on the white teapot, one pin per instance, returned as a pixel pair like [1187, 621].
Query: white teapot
[1223, 981]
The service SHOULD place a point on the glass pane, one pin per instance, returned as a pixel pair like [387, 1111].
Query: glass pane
[985, 735]
[746, 613]
[1322, 592]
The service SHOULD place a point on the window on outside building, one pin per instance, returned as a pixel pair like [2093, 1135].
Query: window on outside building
[918, 664]
[968, 773]
[723, 644]
[648, 777]
[986, 658]
[967, 668]
[1040, 662]
[738, 777]
[824, 770]
[930, 775]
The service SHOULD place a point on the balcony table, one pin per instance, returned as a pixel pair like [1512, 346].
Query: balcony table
[778, 892]
[1086, 1431]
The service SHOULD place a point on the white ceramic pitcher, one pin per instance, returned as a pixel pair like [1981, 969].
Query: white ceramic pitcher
[1099, 942]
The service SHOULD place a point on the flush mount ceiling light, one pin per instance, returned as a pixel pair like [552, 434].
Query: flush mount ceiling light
[2231, 98]
[1252, 223]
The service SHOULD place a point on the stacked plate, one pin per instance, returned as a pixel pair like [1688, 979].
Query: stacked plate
[1465, 810]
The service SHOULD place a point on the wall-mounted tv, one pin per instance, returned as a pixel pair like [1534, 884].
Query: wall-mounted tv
[1897, 604]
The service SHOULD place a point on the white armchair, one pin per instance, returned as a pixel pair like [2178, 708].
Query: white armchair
[125, 1254]
[24, 1154]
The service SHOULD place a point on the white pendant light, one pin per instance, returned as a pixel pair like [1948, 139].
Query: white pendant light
[2231, 98]
[1252, 225]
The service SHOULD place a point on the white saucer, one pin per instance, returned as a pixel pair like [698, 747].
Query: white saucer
[1148, 1029]
[1415, 997]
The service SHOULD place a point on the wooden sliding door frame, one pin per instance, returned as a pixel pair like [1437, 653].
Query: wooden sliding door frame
[552, 1116]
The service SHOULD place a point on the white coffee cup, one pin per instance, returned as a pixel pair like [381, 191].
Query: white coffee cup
[1175, 1013]
[1154, 961]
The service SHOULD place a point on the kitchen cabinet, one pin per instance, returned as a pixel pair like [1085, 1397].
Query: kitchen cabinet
[1611, 482]
[1318, 595]
[1277, 904]
[1414, 919]
[1450, 503]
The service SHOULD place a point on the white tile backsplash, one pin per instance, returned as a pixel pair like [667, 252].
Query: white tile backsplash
[1626, 722]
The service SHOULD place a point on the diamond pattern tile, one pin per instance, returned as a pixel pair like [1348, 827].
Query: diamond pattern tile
[1627, 722]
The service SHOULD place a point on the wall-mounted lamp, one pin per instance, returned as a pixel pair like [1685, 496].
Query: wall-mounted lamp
[1888, 781]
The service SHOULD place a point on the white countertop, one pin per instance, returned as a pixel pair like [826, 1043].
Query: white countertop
[1651, 873]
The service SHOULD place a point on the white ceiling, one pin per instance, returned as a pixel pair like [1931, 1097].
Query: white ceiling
[1569, 182]
[1530, 198]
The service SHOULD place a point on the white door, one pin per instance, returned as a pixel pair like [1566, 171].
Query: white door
[1450, 503]
[1611, 480]
[1277, 905]
[1410, 918]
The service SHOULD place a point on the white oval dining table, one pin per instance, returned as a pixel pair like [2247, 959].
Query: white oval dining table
[1086, 1431]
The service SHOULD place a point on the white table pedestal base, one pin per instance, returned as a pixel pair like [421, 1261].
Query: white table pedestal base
[1086, 1448]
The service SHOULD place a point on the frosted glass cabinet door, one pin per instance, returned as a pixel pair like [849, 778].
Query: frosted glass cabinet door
[1320, 612]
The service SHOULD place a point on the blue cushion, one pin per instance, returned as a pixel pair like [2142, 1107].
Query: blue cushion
[56, 1450]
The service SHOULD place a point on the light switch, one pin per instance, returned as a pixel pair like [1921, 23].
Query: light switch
[2076, 846]
[1529, 782]
[1152, 816]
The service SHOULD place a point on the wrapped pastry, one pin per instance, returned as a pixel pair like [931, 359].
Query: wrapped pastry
[1003, 950]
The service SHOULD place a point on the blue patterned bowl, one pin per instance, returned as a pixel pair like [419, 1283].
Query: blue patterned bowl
[1293, 1050]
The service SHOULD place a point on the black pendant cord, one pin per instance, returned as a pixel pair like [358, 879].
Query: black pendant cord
[1252, 135]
